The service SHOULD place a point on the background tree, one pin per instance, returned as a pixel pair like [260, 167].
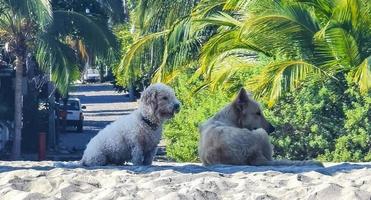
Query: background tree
[298, 38]
[151, 24]
[32, 27]
[18, 22]
[293, 39]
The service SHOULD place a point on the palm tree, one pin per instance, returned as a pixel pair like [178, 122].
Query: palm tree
[28, 27]
[17, 21]
[299, 38]
[288, 40]
[154, 24]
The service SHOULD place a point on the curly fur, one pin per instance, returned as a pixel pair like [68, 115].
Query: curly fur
[134, 137]
[238, 135]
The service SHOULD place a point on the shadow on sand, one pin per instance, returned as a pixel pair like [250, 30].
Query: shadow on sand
[196, 168]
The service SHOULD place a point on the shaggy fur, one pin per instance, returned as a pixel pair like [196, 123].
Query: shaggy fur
[134, 137]
[237, 135]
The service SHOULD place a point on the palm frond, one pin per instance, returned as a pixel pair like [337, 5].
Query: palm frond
[226, 44]
[225, 69]
[6, 24]
[182, 46]
[221, 19]
[126, 65]
[280, 76]
[237, 4]
[207, 7]
[346, 12]
[98, 38]
[361, 76]
[343, 47]
[284, 29]
[323, 7]
[39, 10]
[56, 57]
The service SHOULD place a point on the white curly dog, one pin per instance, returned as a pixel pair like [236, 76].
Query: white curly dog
[134, 137]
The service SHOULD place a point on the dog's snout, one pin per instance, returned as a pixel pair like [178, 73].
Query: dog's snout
[177, 107]
[271, 128]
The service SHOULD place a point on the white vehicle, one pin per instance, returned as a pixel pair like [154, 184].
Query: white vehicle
[73, 115]
[91, 75]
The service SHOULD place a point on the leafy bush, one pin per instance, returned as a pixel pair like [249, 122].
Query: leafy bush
[328, 121]
[355, 143]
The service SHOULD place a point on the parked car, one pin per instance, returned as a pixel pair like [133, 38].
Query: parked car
[73, 114]
[91, 75]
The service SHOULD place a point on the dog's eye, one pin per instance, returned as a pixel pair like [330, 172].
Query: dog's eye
[164, 98]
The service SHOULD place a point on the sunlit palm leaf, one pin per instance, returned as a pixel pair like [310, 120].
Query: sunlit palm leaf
[324, 7]
[207, 7]
[343, 47]
[285, 29]
[221, 19]
[362, 76]
[223, 45]
[237, 4]
[225, 69]
[280, 76]
[181, 48]
[51, 53]
[126, 65]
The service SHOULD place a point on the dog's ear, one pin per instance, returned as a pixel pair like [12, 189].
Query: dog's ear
[149, 97]
[242, 99]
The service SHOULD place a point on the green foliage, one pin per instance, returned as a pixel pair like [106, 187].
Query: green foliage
[125, 39]
[355, 143]
[327, 120]
[151, 23]
[182, 133]
[307, 121]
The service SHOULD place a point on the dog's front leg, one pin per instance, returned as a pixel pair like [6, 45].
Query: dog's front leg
[148, 157]
[137, 156]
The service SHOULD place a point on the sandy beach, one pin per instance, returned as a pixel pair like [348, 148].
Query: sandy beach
[67, 180]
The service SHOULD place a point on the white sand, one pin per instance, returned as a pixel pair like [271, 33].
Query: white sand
[57, 180]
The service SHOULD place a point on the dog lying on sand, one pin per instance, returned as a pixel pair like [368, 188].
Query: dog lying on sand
[238, 135]
[134, 137]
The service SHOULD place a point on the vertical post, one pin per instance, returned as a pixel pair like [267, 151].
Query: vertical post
[42, 145]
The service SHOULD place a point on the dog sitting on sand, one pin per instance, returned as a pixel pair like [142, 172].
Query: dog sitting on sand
[134, 137]
[238, 135]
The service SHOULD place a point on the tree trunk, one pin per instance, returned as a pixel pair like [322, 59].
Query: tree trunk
[51, 124]
[131, 92]
[18, 105]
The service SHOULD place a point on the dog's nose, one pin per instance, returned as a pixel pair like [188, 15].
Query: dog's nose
[271, 128]
[177, 107]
